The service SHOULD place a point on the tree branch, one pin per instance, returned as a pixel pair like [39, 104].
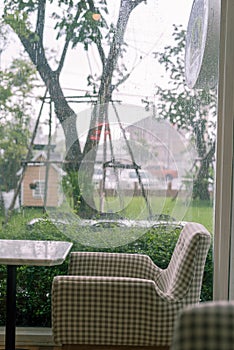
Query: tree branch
[65, 114]
[68, 38]
[99, 44]
[101, 53]
[105, 90]
[121, 81]
[63, 56]
[40, 19]
[126, 7]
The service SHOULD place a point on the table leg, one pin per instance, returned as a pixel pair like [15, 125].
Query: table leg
[10, 308]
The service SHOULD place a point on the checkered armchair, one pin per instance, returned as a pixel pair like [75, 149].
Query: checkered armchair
[207, 326]
[119, 299]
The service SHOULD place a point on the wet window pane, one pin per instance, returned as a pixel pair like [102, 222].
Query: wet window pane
[108, 123]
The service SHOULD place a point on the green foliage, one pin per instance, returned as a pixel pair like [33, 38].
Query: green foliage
[187, 109]
[74, 188]
[207, 286]
[79, 25]
[34, 283]
[71, 188]
[158, 243]
[16, 83]
[73, 19]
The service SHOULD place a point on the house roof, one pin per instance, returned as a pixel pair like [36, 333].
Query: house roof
[40, 156]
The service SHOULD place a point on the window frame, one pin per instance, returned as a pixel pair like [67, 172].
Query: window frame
[223, 207]
[39, 191]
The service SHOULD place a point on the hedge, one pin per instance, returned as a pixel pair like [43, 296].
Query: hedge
[34, 283]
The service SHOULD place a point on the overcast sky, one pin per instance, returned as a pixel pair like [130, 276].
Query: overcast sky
[149, 30]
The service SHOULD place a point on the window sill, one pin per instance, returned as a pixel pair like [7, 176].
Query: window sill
[32, 336]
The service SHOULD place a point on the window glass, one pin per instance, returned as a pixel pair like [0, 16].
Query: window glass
[108, 125]
[39, 190]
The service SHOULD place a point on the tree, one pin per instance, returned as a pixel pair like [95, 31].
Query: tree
[190, 110]
[76, 22]
[15, 112]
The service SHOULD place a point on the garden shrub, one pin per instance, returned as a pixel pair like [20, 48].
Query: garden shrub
[34, 282]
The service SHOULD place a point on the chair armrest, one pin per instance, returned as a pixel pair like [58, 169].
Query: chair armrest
[112, 264]
[169, 296]
[103, 310]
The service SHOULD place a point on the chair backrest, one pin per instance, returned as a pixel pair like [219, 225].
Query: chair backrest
[183, 276]
[206, 326]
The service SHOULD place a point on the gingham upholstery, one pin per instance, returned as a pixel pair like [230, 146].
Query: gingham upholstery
[125, 299]
[207, 326]
[112, 264]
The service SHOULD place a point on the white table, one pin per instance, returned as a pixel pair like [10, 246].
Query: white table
[26, 252]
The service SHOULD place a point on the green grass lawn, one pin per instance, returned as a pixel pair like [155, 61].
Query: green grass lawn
[202, 212]
[198, 211]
